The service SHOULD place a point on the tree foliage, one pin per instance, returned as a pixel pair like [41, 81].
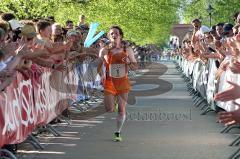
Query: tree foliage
[223, 10]
[143, 21]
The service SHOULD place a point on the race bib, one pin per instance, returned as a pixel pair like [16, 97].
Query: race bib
[117, 70]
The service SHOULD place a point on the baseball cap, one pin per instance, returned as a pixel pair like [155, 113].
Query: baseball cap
[28, 31]
[204, 29]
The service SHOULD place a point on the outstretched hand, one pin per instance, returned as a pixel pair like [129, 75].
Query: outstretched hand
[230, 94]
[230, 118]
[235, 67]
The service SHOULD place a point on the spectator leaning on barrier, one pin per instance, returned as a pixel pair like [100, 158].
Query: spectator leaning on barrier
[219, 30]
[225, 40]
[44, 31]
[73, 36]
[207, 46]
[57, 33]
[221, 42]
[44, 43]
[197, 35]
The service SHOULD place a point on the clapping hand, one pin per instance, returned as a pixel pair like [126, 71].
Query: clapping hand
[230, 118]
[235, 67]
[230, 94]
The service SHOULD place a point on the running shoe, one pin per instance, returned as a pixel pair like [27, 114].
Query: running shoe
[117, 137]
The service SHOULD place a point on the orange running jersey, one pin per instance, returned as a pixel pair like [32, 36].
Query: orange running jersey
[116, 74]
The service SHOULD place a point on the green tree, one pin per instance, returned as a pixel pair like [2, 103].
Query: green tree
[223, 10]
[144, 22]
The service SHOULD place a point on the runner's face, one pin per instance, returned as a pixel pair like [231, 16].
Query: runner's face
[114, 35]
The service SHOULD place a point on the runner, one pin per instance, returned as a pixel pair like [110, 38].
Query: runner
[118, 58]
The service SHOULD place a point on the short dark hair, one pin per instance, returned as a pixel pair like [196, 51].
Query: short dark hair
[196, 20]
[7, 16]
[41, 25]
[220, 24]
[68, 21]
[214, 27]
[51, 18]
[227, 27]
[35, 20]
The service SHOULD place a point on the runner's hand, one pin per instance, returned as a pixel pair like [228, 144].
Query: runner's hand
[126, 60]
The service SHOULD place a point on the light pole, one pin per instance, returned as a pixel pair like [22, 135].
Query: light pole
[210, 10]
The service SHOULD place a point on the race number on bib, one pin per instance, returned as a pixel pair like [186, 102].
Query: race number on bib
[117, 70]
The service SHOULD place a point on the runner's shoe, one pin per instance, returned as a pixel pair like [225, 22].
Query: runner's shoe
[117, 137]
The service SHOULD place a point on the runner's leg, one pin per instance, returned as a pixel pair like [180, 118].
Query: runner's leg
[109, 102]
[122, 102]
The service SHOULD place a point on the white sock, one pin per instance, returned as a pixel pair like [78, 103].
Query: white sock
[120, 121]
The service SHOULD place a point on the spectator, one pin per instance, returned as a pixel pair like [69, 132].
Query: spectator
[197, 36]
[236, 18]
[69, 25]
[44, 31]
[219, 30]
[82, 23]
[15, 26]
[57, 33]
[51, 19]
[73, 36]
[228, 30]
[7, 16]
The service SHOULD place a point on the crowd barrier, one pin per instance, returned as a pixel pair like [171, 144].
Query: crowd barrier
[36, 100]
[203, 80]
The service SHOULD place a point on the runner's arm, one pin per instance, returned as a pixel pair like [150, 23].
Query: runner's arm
[102, 53]
[133, 65]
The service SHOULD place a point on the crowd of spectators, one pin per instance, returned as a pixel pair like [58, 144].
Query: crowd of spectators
[220, 42]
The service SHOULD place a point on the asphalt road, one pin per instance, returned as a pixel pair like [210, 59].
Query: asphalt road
[162, 123]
